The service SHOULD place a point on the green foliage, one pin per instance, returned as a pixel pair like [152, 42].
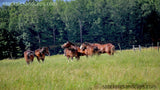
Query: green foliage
[8, 45]
[47, 23]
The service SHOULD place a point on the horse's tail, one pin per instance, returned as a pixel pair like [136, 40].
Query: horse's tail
[28, 55]
[34, 54]
[112, 50]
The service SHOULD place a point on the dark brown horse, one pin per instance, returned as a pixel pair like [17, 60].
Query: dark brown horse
[89, 49]
[71, 50]
[29, 56]
[40, 53]
[105, 48]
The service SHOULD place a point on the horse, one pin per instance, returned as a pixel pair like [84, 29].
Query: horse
[89, 49]
[105, 48]
[29, 56]
[71, 50]
[40, 53]
[70, 53]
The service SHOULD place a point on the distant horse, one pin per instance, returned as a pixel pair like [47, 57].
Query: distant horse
[70, 53]
[105, 48]
[29, 56]
[89, 49]
[40, 53]
[71, 50]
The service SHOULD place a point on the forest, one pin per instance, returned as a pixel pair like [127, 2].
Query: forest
[34, 24]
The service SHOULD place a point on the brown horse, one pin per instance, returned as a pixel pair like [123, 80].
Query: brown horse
[71, 50]
[70, 53]
[40, 53]
[105, 48]
[89, 49]
[29, 56]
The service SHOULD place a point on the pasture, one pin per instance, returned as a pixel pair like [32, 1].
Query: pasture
[126, 69]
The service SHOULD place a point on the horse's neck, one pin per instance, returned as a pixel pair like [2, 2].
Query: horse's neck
[41, 50]
[71, 44]
[73, 47]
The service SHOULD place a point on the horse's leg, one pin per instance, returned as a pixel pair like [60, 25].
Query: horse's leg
[109, 53]
[27, 62]
[72, 59]
[112, 53]
[43, 60]
[77, 58]
[99, 53]
[32, 59]
[64, 54]
[68, 58]
[43, 57]
[38, 59]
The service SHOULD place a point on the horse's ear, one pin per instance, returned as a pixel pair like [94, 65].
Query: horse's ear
[85, 42]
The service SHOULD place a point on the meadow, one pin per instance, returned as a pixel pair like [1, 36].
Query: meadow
[124, 70]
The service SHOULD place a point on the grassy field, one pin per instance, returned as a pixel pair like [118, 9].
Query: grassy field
[124, 70]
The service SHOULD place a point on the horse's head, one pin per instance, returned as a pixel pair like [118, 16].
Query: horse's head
[83, 46]
[45, 50]
[67, 44]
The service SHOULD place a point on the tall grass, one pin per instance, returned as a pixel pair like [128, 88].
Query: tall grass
[135, 69]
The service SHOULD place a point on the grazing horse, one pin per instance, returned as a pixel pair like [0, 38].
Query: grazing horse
[29, 56]
[71, 50]
[89, 49]
[40, 53]
[105, 48]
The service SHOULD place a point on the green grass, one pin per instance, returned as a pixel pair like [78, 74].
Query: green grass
[130, 68]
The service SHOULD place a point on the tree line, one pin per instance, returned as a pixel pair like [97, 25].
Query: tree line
[34, 24]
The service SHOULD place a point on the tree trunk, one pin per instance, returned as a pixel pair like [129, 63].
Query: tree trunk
[141, 34]
[54, 39]
[11, 55]
[39, 40]
[80, 26]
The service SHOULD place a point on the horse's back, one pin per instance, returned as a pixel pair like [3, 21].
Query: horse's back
[109, 48]
[29, 56]
[37, 52]
[28, 52]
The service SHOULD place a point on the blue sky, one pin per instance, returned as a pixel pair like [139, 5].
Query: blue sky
[8, 2]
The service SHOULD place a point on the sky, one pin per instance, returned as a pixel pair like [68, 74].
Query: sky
[8, 2]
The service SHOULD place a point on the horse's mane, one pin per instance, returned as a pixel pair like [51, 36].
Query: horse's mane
[87, 43]
[30, 51]
[71, 43]
[43, 47]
